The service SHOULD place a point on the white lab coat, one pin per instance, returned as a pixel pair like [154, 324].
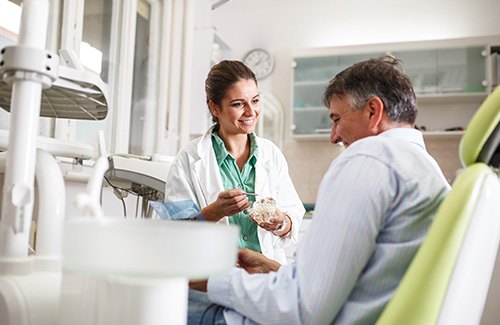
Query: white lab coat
[195, 175]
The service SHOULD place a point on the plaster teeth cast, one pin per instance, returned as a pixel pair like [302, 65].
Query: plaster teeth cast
[263, 210]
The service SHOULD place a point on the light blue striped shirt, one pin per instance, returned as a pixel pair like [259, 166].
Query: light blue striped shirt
[373, 210]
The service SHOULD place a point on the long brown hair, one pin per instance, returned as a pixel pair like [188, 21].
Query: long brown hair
[222, 76]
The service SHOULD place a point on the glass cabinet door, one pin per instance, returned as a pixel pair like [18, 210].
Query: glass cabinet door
[434, 73]
[311, 76]
[422, 68]
[445, 71]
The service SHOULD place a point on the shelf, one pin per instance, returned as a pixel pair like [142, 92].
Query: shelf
[427, 135]
[304, 109]
[422, 99]
[442, 134]
[312, 137]
[311, 83]
[451, 98]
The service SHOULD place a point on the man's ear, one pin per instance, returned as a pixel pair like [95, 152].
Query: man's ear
[214, 109]
[376, 111]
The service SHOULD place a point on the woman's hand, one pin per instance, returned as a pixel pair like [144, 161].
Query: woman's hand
[274, 223]
[228, 202]
[254, 262]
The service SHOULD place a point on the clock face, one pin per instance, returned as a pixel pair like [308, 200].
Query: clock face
[260, 61]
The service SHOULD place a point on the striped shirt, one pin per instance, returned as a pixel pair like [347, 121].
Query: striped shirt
[374, 207]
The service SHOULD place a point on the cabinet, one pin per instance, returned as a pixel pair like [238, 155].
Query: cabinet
[450, 82]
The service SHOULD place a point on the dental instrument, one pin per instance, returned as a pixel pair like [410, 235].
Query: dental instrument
[240, 187]
[251, 194]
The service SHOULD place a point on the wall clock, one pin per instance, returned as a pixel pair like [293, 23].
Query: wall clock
[260, 61]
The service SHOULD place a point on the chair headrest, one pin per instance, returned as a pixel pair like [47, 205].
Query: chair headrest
[481, 140]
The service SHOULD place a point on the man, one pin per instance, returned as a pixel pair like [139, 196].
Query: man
[373, 210]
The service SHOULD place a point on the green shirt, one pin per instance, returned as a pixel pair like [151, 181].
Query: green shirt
[232, 178]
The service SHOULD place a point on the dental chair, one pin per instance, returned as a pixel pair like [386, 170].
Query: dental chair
[453, 271]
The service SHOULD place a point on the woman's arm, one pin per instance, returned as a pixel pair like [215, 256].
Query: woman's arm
[180, 186]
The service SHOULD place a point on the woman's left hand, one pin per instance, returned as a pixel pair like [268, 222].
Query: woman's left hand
[273, 223]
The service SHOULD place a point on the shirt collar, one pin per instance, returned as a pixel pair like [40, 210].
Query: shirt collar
[253, 149]
[409, 134]
[222, 154]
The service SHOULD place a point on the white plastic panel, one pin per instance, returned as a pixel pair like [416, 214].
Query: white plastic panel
[148, 248]
[470, 281]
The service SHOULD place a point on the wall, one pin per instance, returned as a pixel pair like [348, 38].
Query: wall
[307, 172]
[308, 161]
[285, 27]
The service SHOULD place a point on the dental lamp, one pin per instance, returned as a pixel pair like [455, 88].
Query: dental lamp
[114, 270]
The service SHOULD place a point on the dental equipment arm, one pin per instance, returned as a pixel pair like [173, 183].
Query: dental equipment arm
[28, 67]
[89, 201]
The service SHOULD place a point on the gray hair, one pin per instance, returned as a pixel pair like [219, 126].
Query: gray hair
[381, 77]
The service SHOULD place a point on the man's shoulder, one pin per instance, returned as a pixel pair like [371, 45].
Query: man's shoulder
[376, 144]
[388, 150]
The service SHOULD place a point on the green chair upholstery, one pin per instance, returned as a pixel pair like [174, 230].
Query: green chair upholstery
[480, 143]
[449, 278]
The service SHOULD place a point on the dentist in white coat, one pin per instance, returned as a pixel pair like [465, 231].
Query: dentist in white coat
[215, 169]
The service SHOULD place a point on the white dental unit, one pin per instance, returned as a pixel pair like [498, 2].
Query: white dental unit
[88, 269]
[142, 176]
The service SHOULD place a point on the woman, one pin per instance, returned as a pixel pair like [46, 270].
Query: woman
[216, 169]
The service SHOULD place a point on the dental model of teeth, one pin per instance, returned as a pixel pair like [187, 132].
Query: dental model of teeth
[263, 210]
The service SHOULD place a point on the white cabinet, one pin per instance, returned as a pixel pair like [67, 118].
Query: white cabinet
[450, 81]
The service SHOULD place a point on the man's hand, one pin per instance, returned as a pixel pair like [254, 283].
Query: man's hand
[200, 285]
[254, 262]
[250, 261]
